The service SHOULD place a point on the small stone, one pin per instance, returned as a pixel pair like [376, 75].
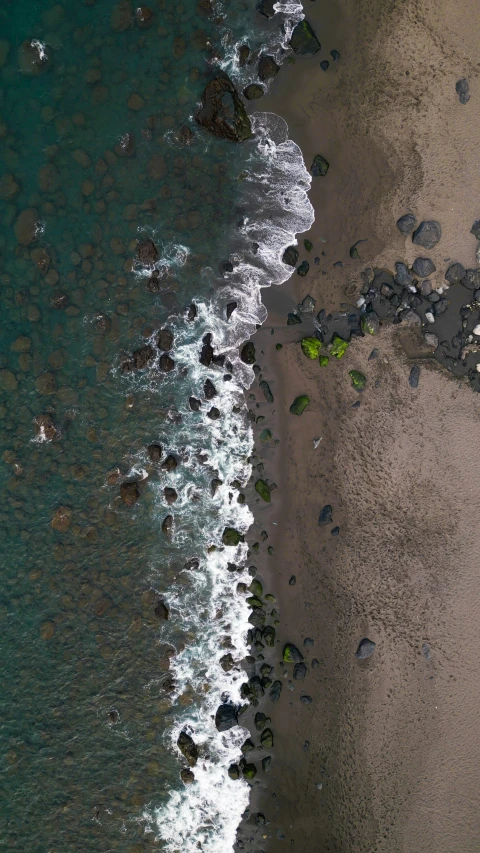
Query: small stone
[431, 340]
[414, 376]
[292, 580]
[249, 771]
[306, 700]
[402, 276]
[320, 166]
[423, 267]
[427, 234]
[463, 90]
[266, 739]
[335, 55]
[129, 492]
[365, 649]
[311, 347]
[475, 229]
[324, 65]
[275, 691]
[325, 516]
[299, 671]
[370, 323]
[406, 223]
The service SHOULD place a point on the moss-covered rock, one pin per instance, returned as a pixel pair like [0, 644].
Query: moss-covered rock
[323, 360]
[320, 166]
[266, 739]
[304, 40]
[278, 346]
[358, 379]
[299, 404]
[249, 771]
[275, 691]
[308, 245]
[338, 347]
[256, 588]
[247, 746]
[311, 347]
[263, 490]
[291, 654]
[266, 391]
[265, 435]
[253, 601]
[232, 537]
[303, 269]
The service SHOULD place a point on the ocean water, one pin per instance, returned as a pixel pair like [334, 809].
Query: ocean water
[96, 683]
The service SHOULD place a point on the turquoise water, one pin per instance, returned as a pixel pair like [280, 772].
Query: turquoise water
[96, 684]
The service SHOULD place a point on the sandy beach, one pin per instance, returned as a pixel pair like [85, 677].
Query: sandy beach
[384, 758]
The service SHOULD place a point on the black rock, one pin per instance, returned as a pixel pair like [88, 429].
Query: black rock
[194, 404]
[336, 530]
[402, 276]
[414, 376]
[209, 390]
[265, 7]
[290, 256]
[303, 269]
[463, 90]
[266, 391]
[188, 748]
[234, 771]
[154, 452]
[299, 671]
[167, 526]
[248, 353]
[308, 642]
[293, 319]
[324, 65]
[304, 40]
[275, 691]
[142, 356]
[267, 68]
[292, 580]
[222, 112]
[406, 223]
[306, 700]
[206, 353]
[325, 516]
[147, 252]
[423, 267]
[253, 91]
[244, 53]
[455, 273]
[191, 312]
[170, 463]
[373, 354]
[365, 649]
[320, 166]
[165, 340]
[226, 717]
[231, 308]
[427, 234]
[170, 495]
[166, 363]
[213, 413]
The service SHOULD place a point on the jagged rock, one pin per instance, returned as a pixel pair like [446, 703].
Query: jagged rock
[304, 40]
[267, 68]
[230, 309]
[402, 276]
[247, 353]
[291, 654]
[154, 452]
[320, 166]
[247, 746]
[142, 356]
[227, 663]
[161, 610]
[423, 267]
[253, 91]
[213, 413]
[290, 256]
[165, 340]
[299, 671]
[370, 323]
[303, 269]
[266, 739]
[226, 717]
[45, 428]
[188, 748]
[129, 492]
[338, 347]
[194, 404]
[147, 252]
[406, 223]
[209, 390]
[427, 234]
[243, 54]
[265, 7]
[365, 649]
[455, 273]
[222, 112]
[166, 363]
[170, 463]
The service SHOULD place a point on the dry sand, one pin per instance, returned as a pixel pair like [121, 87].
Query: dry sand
[391, 764]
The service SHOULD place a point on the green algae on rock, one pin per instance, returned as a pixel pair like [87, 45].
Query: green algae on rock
[265, 435]
[338, 347]
[266, 738]
[358, 379]
[231, 536]
[323, 360]
[304, 40]
[291, 654]
[370, 323]
[320, 166]
[263, 490]
[299, 404]
[311, 347]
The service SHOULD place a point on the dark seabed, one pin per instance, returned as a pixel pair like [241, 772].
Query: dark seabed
[116, 611]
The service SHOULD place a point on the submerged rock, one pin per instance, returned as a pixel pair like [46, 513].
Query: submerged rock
[427, 234]
[299, 404]
[304, 40]
[222, 112]
[188, 748]
[253, 91]
[129, 492]
[365, 649]
[320, 166]
[26, 226]
[226, 717]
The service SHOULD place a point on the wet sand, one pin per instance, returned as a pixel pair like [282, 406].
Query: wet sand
[385, 756]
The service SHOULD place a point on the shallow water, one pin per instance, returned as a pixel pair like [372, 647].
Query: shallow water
[96, 683]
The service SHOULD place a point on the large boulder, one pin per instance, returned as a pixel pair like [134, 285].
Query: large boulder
[226, 717]
[304, 40]
[427, 234]
[222, 112]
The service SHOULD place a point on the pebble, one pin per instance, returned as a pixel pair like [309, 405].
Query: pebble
[365, 649]
[463, 90]
[414, 376]
[325, 516]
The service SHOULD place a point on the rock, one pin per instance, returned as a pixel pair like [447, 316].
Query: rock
[247, 746]
[299, 671]
[187, 777]
[147, 252]
[266, 8]
[243, 54]
[253, 91]
[232, 537]
[185, 135]
[226, 717]
[358, 379]
[266, 762]
[455, 273]
[227, 663]
[155, 452]
[406, 223]
[370, 323]
[299, 404]
[290, 256]
[166, 363]
[9, 187]
[307, 305]
[293, 319]
[26, 226]
[247, 353]
[427, 234]
[335, 55]
[129, 492]
[165, 340]
[249, 771]
[463, 90]
[62, 519]
[206, 353]
[142, 356]
[222, 112]
[8, 380]
[214, 413]
[266, 739]
[209, 390]
[161, 610]
[194, 404]
[308, 245]
[262, 489]
[311, 347]
[170, 495]
[269, 636]
[365, 649]
[414, 376]
[167, 526]
[304, 40]
[291, 654]
[303, 269]
[188, 748]
[170, 463]
[423, 267]
[275, 691]
[234, 771]
[325, 516]
[431, 340]
[266, 391]
[267, 68]
[320, 166]
[306, 700]
[231, 306]
[144, 17]
[472, 279]
[324, 65]
[338, 347]
[402, 276]
[33, 57]
[475, 229]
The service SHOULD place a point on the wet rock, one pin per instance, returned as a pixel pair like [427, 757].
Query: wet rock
[234, 771]
[304, 40]
[230, 309]
[325, 516]
[26, 226]
[455, 273]
[243, 54]
[269, 636]
[299, 671]
[431, 340]
[144, 17]
[324, 65]
[266, 762]
[423, 267]
[185, 135]
[299, 404]
[306, 700]
[414, 376]
[303, 269]
[161, 610]
[165, 339]
[166, 363]
[46, 383]
[62, 519]
[213, 413]
[222, 112]
[263, 490]
[9, 187]
[187, 776]
[45, 428]
[266, 391]
[121, 16]
[129, 492]
[147, 252]
[267, 68]
[227, 663]
[170, 495]
[370, 324]
[266, 8]
[8, 380]
[194, 404]
[253, 91]
[291, 654]
[311, 347]
[338, 347]
[307, 305]
[170, 463]
[209, 390]
[365, 649]
[471, 279]
[247, 353]
[261, 721]
[226, 717]
[293, 319]
[167, 526]
[463, 90]
[231, 536]
[188, 748]
[406, 223]
[266, 739]
[247, 746]
[142, 356]
[207, 352]
[275, 691]
[249, 771]
[402, 276]
[427, 234]
[154, 452]
[290, 256]
[320, 166]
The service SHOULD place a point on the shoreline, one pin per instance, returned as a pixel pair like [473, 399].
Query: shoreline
[363, 765]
